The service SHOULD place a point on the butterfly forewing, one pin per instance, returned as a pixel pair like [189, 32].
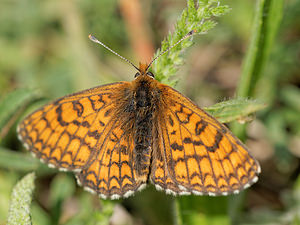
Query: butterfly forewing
[64, 133]
[199, 154]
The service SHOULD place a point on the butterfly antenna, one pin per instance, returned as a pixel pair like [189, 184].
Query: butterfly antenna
[94, 39]
[191, 33]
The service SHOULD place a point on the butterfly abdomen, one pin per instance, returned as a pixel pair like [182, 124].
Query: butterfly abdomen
[144, 100]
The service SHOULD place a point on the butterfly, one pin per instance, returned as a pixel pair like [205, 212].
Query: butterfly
[118, 137]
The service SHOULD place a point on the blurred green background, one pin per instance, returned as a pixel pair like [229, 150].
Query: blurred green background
[44, 48]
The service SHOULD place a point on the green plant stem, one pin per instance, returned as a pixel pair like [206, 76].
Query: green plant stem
[177, 212]
[268, 15]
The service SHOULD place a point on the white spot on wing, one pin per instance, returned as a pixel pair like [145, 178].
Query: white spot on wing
[246, 185]
[184, 193]
[63, 169]
[170, 192]
[255, 179]
[224, 193]
[78, 181]
[26, 145]
[258, 169]
[89, 190]
[142, 187]
[211, 194]
[182, 188]
[20, 137]
[236, 191]
[18, 129]
[76, 170]
[158, 187]
[51, 165]
[115, 196]
[197, 192]
[102, 196]
[128, 193]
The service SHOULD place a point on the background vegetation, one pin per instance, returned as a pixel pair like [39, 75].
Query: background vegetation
[45, 54]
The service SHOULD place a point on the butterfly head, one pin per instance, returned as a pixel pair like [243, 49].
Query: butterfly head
[143, 70]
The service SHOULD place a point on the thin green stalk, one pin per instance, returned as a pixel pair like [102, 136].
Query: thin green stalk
[177, 212]
[268, 15]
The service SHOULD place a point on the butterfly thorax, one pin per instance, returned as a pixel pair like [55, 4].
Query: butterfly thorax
[145, 100]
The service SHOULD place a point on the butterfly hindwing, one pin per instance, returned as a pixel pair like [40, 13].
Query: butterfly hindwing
[111, 173]
[200, 155]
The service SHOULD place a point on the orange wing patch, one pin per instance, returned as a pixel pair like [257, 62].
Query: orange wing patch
[64, 134]
[111, 173]
[199, 154]
[84, 133]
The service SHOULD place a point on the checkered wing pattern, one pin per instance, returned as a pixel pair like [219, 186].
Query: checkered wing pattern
[197, 154]
[81, 132]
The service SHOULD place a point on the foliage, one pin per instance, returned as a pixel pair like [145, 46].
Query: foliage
[201, 19]
[19, 211]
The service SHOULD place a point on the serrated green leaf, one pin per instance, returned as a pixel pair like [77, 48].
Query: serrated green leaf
[234, 109]
[19, 211]
[220, 10]
[192, 18]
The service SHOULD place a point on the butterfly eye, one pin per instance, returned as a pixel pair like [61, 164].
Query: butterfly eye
[150, 74]
[137, 74]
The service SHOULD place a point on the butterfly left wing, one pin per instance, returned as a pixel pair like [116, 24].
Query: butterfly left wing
[64, 133]
[195, 153]
[90, 133]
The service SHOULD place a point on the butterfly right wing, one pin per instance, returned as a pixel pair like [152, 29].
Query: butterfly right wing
[195, 153]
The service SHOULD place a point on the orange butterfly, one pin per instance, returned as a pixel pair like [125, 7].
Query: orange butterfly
[119, 136]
